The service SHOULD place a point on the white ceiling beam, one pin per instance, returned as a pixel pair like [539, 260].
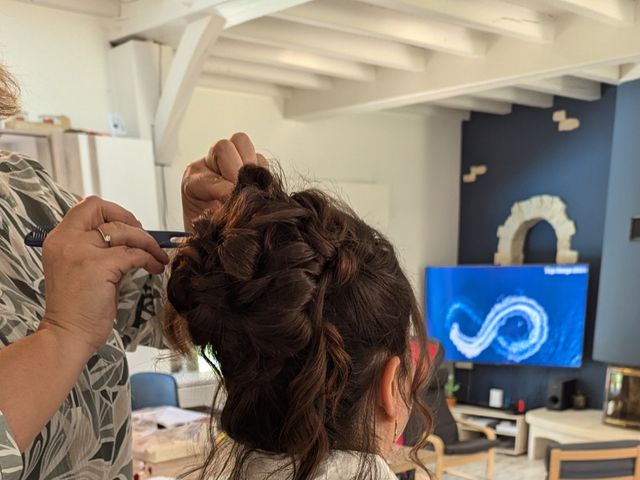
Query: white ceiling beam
[241, 85]
[265, 73]
[518, 96]
[629, 72]
[237, 12]
[157, 20]
[474, 104]
[100, 8]
[582, 45]
[615, 12]
[293, 59]
[432, 111]
[358, 18]
[570, 87]
[494, 16]
[608, 74]
[373, 51]
[164, 20]
[180, 82]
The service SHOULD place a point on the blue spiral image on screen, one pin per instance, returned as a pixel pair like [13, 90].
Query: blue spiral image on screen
[512, 315]
[512, 308]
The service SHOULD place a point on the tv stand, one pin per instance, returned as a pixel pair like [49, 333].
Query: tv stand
[570, 426]
[511, 428]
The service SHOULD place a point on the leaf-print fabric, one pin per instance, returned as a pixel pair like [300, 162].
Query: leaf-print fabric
[89, 437]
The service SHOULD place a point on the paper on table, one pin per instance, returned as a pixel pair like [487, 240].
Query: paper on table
[171, 443]
[168, 416]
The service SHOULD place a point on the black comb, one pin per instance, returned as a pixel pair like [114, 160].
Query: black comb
[166, 239]
[36, 238]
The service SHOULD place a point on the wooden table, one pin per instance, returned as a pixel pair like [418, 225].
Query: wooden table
[570, 426]
[174, 468]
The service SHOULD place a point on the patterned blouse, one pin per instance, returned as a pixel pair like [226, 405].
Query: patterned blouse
[89, 437]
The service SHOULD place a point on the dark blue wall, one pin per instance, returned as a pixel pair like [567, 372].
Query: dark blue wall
[526, 156]
[618, 322]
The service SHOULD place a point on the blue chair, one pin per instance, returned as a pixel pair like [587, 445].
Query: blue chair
[152, 389]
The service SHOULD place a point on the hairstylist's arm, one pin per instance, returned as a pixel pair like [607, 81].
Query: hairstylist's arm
[207, 182]
[82, 274]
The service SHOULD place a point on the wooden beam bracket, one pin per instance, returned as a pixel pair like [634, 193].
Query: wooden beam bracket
[181, 80]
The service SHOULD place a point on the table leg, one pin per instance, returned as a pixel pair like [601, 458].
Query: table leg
[533, 447]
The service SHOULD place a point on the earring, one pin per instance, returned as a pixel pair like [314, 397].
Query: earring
[395, 430]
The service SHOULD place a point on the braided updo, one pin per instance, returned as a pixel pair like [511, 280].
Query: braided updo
[299, 304]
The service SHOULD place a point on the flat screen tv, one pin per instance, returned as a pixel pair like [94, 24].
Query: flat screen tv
[520, 315]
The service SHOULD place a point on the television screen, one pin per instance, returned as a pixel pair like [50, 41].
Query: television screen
[523, 315]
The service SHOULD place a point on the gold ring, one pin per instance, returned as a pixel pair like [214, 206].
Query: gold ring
[106, 238]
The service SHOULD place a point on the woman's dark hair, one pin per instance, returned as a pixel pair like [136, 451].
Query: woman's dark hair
[8, 94]
[298, 305]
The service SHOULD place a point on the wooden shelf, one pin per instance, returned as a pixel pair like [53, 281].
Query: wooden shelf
[472, 412]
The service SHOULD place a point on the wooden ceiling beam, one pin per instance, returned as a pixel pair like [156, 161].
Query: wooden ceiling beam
[474, 104]
[293, 59]
[614, 12]
[570, 87]
[383, 23]
[241, 85]
[346, 46]
[493, 16]
[164, 20]
[518, 96]
[607, 74]
[265, 74]
[584, 44]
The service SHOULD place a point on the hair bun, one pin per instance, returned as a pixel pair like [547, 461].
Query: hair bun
[248, 273]
[255, 176]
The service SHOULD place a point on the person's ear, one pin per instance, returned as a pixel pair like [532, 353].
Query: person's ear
[388, 390]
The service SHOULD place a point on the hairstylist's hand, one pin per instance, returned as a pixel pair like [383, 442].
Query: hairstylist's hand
[82, 271]
[207, 182]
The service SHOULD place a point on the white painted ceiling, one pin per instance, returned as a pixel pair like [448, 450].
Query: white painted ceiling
[327, 57]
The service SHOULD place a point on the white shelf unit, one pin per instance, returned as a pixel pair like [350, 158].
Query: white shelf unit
[518, 432]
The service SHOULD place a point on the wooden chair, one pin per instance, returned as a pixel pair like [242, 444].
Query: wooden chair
[476, 451]
[450, 451]
[605, 460]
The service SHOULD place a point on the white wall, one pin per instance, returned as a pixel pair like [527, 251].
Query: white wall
[59, 59]
[417, 157]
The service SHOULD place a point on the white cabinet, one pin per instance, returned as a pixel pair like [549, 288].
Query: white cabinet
[121, 170]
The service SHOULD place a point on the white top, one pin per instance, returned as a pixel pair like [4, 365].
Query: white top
[340, 465]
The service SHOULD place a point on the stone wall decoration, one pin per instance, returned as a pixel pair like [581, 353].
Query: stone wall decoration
[524, 215]
[474, 172]
[565, 124]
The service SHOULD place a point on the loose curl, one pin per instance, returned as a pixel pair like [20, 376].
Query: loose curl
[298, 305]
[9, 92]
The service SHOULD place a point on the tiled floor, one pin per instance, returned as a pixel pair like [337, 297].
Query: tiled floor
[507, 468]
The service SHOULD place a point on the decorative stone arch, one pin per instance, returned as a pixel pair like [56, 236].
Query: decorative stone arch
[524, 215]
